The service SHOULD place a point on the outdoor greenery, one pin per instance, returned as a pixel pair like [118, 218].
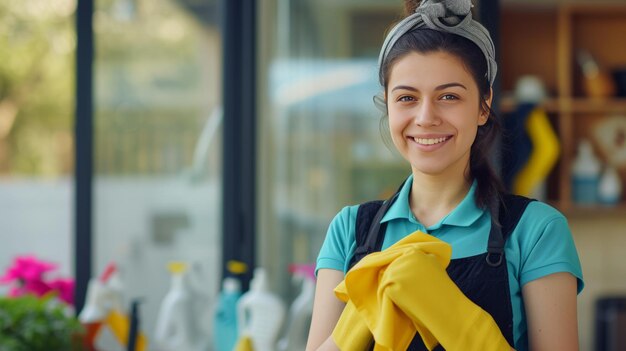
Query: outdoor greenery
[37, 45]
[153, 60]
[30, 323]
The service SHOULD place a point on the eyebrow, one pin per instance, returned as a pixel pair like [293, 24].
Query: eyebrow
[439, 87]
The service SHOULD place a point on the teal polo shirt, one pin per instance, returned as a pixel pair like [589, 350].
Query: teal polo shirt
[540, 245]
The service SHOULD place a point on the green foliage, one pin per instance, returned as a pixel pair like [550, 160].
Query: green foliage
[37, 44]
[29, 323]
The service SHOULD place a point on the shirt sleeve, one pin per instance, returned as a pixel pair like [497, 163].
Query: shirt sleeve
[548, 246]
[339, 242]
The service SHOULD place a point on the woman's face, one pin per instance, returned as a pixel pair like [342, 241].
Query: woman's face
[434, 112]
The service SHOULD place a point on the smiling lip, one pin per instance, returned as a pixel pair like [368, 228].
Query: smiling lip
[429, 142]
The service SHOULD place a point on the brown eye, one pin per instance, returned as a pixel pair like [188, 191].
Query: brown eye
[406, 98]
[449, 97]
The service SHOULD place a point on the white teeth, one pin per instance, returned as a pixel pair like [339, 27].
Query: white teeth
[424, 141]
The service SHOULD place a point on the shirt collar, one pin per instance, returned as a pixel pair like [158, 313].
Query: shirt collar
[463, 215]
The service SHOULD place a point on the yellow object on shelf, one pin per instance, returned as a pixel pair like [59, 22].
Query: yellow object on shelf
[119, 325]
[545, 152]
[244, 344]
[236, 267]
[177, 267]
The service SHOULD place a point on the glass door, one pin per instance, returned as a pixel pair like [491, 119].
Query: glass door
[157, 154]
[37, 48]
[321, 142]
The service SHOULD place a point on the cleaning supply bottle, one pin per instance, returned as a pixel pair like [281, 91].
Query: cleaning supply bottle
[301, 309]
[176, 327]
[585, 175]
[103, 295]
[225, 318]
[610, 188]
[260, 314]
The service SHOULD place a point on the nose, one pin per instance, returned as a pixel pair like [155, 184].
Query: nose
[426, 114]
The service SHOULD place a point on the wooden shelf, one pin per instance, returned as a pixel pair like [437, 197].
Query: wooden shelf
[508, 105]
[578, 211]
[548, 50]
[586, 105]
[572, 105]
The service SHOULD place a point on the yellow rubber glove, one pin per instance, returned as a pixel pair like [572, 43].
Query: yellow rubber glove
[419, 285]
[392, 328]
[351, 332]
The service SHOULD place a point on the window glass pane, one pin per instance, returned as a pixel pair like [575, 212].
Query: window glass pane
[37, 48]
[157, 147]
[322, 141]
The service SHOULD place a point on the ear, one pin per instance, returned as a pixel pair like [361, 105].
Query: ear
[484, 113]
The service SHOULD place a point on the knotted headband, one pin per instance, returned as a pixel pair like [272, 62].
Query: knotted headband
[452, 16]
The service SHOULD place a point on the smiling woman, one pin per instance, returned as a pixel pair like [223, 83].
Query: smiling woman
[450, 261]
[434, 112]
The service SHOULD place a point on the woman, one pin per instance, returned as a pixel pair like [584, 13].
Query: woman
[437, 69]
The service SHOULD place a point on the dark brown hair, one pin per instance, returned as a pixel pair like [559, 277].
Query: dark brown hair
[425, 40]
[410, 6]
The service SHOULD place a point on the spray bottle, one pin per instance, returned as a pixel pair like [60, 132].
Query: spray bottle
[176, 327]
[103, 295]
[102, 315]
[260, 314]
[301, 309]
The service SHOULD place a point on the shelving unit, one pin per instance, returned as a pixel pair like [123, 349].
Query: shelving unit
[543, 41]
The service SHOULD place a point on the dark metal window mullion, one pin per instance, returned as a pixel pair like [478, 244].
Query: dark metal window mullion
[239, 134]
[83, 151]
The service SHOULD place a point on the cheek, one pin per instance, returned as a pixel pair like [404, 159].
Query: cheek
[396, 124]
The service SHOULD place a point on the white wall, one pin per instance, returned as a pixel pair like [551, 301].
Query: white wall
[36, 218]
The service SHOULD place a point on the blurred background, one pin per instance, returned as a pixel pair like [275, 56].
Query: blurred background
[227, 135]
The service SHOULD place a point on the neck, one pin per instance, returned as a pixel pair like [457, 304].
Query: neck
[432, 196]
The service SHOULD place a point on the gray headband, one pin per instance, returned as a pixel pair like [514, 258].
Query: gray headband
[452, 16]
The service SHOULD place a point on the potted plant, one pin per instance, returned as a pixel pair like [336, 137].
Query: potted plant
[37, 314]
[31, 323]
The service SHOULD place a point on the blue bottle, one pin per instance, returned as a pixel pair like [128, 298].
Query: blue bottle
[585, 175]
[225, 332]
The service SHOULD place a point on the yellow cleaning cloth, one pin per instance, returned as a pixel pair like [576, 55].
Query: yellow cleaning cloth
[392, 328]
[405, 289]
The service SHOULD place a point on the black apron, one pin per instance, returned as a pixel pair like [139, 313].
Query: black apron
[482, 278]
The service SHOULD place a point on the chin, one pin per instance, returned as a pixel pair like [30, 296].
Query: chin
[428, 169]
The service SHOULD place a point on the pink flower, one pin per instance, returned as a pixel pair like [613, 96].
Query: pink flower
[26, 268]
[27, 273]
[65, 288]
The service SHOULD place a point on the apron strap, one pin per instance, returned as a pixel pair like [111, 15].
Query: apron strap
[510, 209]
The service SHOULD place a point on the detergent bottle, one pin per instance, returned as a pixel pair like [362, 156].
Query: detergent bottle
[585, 175]
[103, 295]
[301, 309]
[225, 319]
[260, 314]
[610, 187]
[176, 328]
[103, 316]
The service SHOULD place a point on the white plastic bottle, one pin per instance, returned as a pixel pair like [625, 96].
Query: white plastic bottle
[260, 314]
[610, 189]
[585, 175]
[301, 310]
[176, 327]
